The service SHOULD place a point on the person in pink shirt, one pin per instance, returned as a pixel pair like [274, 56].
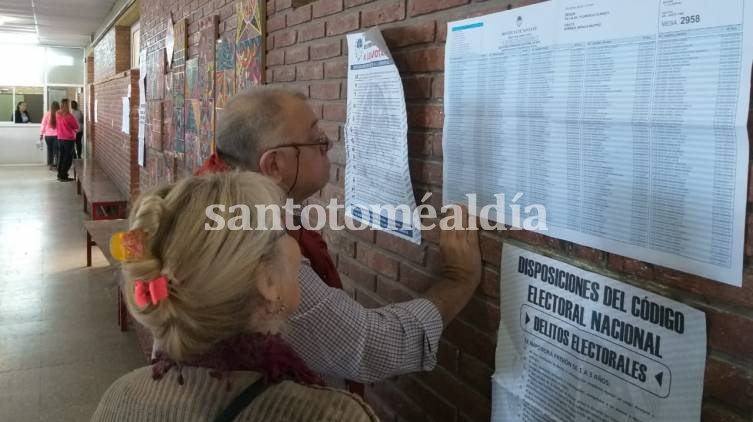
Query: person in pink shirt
[66, 127]
[49, 132]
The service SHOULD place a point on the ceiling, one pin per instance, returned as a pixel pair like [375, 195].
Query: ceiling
[56, 22]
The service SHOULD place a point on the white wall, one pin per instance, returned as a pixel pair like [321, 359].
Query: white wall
[18, 144]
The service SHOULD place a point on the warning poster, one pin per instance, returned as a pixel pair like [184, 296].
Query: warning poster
[577, 346]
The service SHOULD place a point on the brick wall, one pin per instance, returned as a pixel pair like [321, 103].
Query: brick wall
[112, 149]
[307, 51]
[112, 53]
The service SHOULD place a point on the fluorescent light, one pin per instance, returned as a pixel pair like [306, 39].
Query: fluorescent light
[18, 38]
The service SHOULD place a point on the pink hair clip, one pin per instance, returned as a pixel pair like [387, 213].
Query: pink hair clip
[154, 291]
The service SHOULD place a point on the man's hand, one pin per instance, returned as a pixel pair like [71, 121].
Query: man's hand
[460, 268]
[459, 251]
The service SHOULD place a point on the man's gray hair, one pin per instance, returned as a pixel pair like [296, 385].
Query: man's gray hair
[249, 124]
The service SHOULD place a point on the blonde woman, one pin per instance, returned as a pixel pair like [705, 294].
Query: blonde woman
[214, 301]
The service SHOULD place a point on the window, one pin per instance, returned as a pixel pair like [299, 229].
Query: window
[31, 96]
[135, 44]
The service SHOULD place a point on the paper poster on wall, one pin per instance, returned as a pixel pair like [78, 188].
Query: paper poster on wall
[125, 122]
[378, 190]
[142, 133]
[577, 346]
[625, 120]
[170, 41]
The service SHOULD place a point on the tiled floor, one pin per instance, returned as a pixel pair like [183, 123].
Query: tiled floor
[60, 346]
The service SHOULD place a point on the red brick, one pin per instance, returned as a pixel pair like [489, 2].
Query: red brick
[482, 314]
[299, 15]
[437, 87]
[470, 340]
[336, 68]
[418, 280]
[285, 74]
[362, 276]
[337, 242]
[491, 249]
[415, 33]
[729, 384]
[297, 54]
[275, 23]
[750, 176]
[334, 111]
[377, 261]
[425, 172]
[436, 146]
[392, 291]
[382, 12]
[425, 116]
[442, 409]
[456, 392]
[749, 235]
[342, 23]
[591, 255]
[312, 31]
[424, 60]
[367, 235]
[397, 401]
[325, 49]
[419, 144]
[730, 333]
[420, 7]
[381, 407]
[275, 57]
[448, 356]
[331, 129]
[489, 283]
[476, 373]
[325, 91]
[401, 247]
[417, 88]
[283, 4]
[714, 413]
[310, 71]
[284, 39]
[354, 3]
[327, 7]
[369, 299]
[703, 287]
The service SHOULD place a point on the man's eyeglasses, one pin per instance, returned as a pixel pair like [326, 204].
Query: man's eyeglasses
[324, 144]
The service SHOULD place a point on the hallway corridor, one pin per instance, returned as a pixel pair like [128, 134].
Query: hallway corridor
[60, 346]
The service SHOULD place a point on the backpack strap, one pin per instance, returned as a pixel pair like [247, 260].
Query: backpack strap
[242, 401]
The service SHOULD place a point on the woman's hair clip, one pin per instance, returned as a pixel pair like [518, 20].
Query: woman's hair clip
[128, 246]
[153, 291]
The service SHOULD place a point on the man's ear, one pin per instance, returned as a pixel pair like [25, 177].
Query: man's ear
[269, 165]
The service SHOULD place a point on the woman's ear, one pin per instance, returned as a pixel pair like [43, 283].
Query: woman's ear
[268, 287]
[270, 165]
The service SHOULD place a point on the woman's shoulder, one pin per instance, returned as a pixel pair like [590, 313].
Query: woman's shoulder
[292, 401]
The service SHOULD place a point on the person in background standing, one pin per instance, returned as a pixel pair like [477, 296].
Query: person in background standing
[22, 115]
[67, 127]
[80, 132]
[50, 133]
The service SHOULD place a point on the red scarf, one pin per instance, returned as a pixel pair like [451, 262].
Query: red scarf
[267, 354]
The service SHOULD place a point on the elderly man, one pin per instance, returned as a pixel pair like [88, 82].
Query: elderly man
[275, 132]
